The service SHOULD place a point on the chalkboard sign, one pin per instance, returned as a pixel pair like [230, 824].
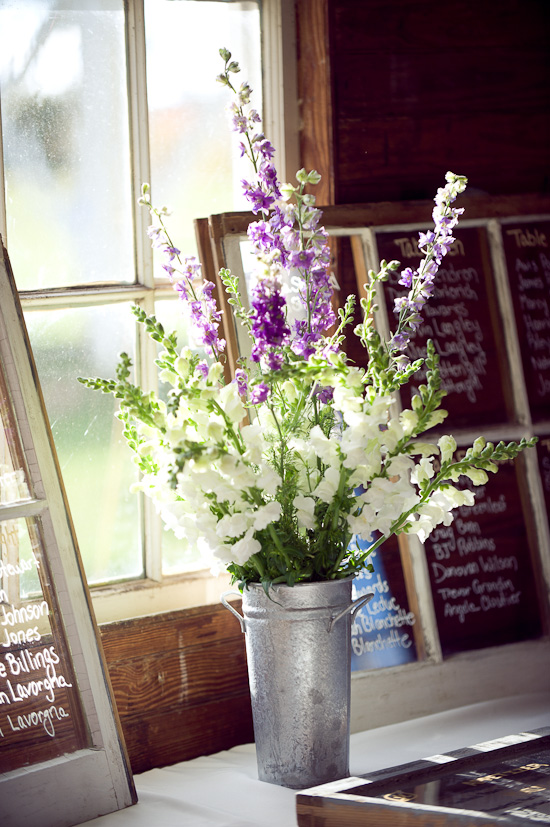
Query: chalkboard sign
[461, 318]
[481, 571]
[527, 251]
[382, 632]
[39, 704]
[59, 736]
[491, 784]
[543, 455]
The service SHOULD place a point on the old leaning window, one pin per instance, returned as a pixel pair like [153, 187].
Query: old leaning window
[98, 96]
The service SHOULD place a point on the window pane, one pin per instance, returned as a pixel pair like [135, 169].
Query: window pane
[95, 460]
[66, 146]
[195, 165]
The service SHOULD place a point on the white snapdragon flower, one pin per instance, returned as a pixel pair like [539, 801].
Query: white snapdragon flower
[425, 449]
[364, 460]
[359, 525]
[377, 406]
[266, 419]
[477, 475]
[268, 480]
[215, 373]
[328, 485]
[182, 363]
[290, 391]
[421, 525]
[447, 446]
[386, 499]
[238, 474]
[409, 421]
[235, 525]
[364, 473]
[423, 471]
[266, 514]
[450, 497]
[231, 403]
[253, 439]
[402, 466]
[243, 549]
[215, 430]
[361, 427]
[303, 450]
[326, 449]
[305, 507]
[169, 377]
[346, 399]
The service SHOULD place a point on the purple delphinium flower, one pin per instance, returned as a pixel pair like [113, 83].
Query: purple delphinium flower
[202, 367]
[435, 245]
[241, 378]
[406, 278]
[259, 394]
[269, 325]
[259, 200]
[324, 393]
[201, 304]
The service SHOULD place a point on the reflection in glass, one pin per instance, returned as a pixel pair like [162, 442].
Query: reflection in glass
[195, 165]
[96, 465]
[66, 146]
[13, 478]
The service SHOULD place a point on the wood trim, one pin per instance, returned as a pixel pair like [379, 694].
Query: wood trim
[388, 213]
[180, 682]
[315, 93]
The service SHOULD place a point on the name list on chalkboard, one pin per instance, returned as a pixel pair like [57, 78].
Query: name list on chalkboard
[460, 320]
[40, 715]
[36, 686]
[527, 251]
[481, 571]
[382, 632]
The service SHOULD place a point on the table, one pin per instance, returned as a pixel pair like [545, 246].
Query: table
[223, 790]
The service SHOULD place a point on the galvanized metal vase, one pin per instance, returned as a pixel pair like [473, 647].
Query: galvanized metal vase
[298, 645]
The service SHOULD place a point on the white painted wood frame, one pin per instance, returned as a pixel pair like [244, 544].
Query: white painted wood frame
[89, 782]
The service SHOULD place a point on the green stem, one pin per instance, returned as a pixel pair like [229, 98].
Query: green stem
[277, 544]
[258, 564]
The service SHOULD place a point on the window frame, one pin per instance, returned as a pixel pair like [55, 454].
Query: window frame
[155, 591]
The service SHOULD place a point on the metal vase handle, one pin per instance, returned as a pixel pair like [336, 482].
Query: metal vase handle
[227, 605]
[354, 606]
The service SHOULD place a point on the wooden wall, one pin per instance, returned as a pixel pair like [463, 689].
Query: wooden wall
[395, 93]
[180, 684]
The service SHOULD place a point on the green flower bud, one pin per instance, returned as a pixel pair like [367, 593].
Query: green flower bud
[478, 446]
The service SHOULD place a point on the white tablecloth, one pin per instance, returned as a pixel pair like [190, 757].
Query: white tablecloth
[223, 790]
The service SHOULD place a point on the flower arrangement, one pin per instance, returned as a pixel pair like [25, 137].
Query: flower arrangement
[300, 466]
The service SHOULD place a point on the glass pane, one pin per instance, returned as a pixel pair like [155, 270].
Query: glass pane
[14, 481]
[195, 165]
[40, 712]
[95, 461]
[66, 146]
[174, 559]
